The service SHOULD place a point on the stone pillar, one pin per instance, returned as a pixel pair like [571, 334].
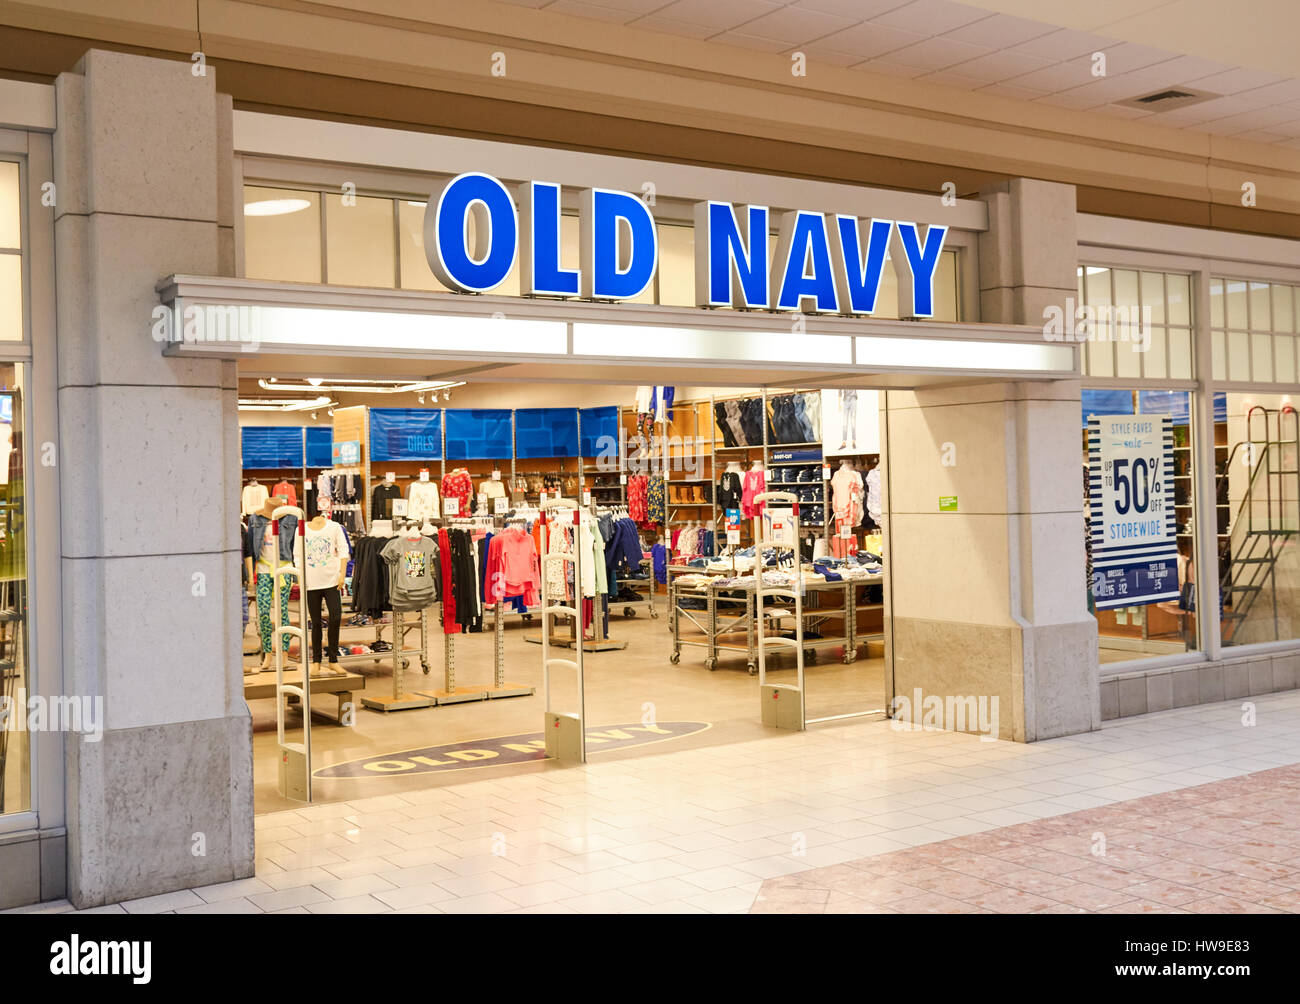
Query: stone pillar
[990, 600]
[1029, 254]
[149, 451]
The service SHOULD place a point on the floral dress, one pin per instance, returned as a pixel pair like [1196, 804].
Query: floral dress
[656, 510]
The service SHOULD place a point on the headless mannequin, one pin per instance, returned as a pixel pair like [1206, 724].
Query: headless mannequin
[268, 511]
[733, 467]
[318, 524]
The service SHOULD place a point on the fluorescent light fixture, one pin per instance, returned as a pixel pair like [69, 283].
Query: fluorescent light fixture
[275, 207]
[378, 331]
[417, 205]
[284, 404]
[951, 354]
[359, 386]
[702, 343]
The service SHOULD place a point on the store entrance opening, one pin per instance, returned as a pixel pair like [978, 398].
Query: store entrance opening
[430, 504]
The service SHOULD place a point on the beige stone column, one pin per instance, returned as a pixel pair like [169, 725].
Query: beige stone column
[991, 600]
[149, 455]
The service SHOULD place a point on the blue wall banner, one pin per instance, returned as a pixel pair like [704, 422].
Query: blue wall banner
[405, 434]
[478, 433]
[264, 447]
[1131, 509]
[600, 432]
[546, 432]
[319, 448]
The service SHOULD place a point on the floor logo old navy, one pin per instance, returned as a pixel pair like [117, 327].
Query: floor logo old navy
[524, 748]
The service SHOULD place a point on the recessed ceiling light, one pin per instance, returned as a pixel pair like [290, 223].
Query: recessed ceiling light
[315, 381]
[275, 207]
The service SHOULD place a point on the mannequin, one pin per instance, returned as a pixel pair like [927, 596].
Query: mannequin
[755, 484]
[731, 486]
[262, 559]
[847, 494]
[872, 487]
[326, 559]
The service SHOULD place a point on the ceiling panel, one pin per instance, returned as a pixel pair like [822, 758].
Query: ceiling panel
[1027, 50]
[795, 26]
[931, 17]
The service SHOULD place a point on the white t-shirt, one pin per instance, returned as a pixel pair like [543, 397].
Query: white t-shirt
[327, 554]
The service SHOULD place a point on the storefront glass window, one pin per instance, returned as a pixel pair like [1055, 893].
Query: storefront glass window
[1253, 329]
[359, 241]
[282, 234]
[15, 747]
[1127, 495]
[11, 260]
[1138, 323]
[1258, 508]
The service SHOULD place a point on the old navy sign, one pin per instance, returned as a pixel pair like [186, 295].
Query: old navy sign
[525, 748]
[825, 263]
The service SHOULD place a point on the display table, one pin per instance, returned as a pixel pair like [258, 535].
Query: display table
[724, 612]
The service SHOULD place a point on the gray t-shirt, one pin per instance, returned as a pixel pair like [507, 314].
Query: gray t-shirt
[412, 572]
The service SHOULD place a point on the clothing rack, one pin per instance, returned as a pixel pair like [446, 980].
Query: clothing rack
[600, 640]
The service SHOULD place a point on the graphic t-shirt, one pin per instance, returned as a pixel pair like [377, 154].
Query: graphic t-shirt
[412, 572]
[327, 551]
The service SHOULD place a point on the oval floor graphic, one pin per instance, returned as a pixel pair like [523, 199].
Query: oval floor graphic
[521, 748]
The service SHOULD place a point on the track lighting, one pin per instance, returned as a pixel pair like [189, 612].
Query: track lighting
[313, 416]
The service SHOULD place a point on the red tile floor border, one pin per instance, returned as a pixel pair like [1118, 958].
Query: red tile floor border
[1230, 846]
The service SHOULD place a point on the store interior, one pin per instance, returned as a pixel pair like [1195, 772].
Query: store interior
[428, 503]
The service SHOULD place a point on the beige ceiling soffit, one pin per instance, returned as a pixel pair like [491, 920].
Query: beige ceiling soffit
[425, 53]
[953, 133]
[161, 24]
[405, 55]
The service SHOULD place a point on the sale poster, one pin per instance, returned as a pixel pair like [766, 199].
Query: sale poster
[1131, 509]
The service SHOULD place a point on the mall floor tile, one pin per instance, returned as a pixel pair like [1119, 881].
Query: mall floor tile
[855, 816]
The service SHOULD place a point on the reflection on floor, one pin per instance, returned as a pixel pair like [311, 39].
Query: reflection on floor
[627, 686]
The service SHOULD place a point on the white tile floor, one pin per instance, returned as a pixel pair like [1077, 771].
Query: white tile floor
[698, 830]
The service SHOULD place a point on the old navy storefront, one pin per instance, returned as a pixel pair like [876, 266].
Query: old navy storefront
[585, 457]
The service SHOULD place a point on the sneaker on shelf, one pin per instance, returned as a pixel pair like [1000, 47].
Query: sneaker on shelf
[381, 646]
[360, 620]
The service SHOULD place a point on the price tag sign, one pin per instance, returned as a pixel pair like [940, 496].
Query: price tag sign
[390, 476]
[622, 479]
[500, 504]
[496, 475]
[846, 533]
[481, 505]
[424, 475]
[826, 473]
[399, 507]
[733, 538]
[542, 500]
[451, 507]
[586, 498]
